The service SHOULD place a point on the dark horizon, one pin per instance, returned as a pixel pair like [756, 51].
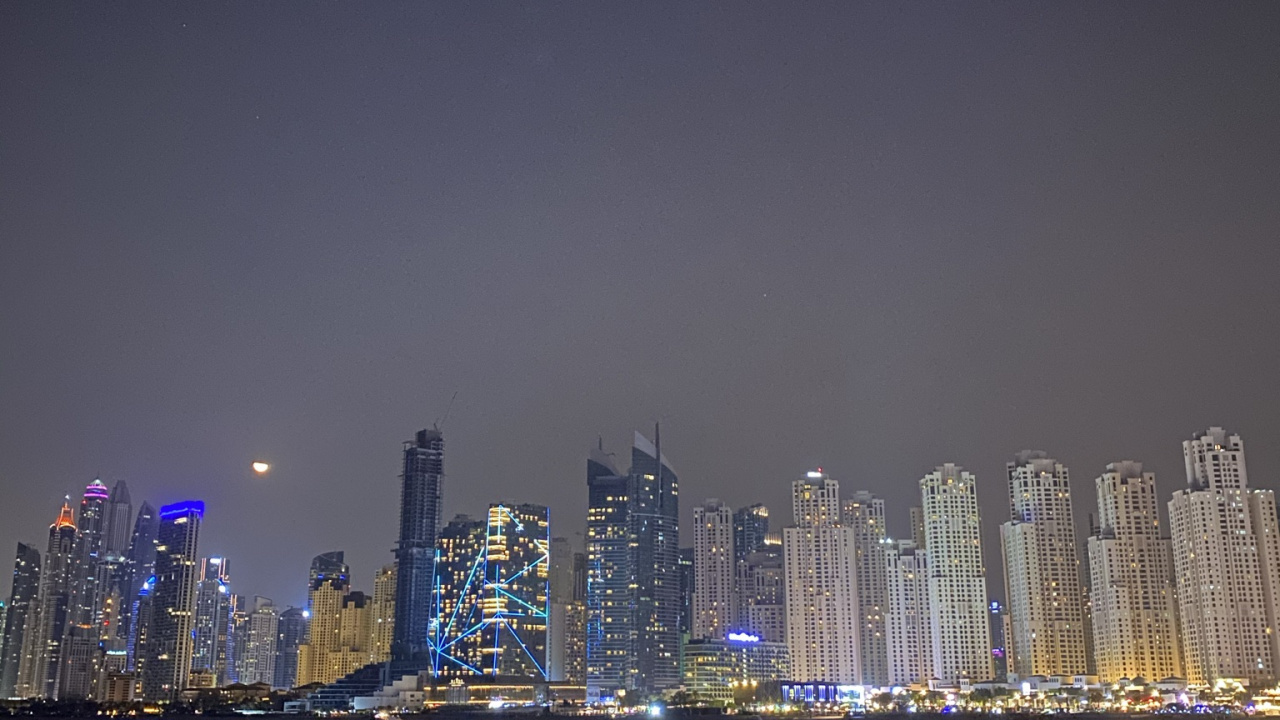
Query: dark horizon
[872, 238]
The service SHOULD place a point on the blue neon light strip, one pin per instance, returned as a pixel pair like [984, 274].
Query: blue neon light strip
[168, 512]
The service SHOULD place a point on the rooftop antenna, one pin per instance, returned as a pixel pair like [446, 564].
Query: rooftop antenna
[437, 424]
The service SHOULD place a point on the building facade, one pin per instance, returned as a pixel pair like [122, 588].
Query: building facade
[291, 632]
[1042, 570]
[633, 575]
[328, 584]
[960, 634]
[713, 568]
[213, 619]
[1223, 603]
[716, 670]
[908, 630]
[20, 619]
[1131, 589]
[820, 564]
[421, 499]
[170, 630]
[864, 514]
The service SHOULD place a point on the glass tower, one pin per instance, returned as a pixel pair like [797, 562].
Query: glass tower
[421, 493]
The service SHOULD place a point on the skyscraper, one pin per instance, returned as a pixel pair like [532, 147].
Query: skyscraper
[567, 618]
[291, 632]
[257, 662]
[864, 514]
[327, 587]
[713, 566]
[168, 643]
[213, 619]
[687, 586]
[384, 612]
[633, 574]
[960, 630]
[750, 526]
[20, 617]
[1224, 606]
[820, 561]
[609, 617]
[421, 496]
[908, 631]
[762, 609]
[459, 551]
[1042, 570]
[57, 580]
[1135, 627]
[119, 522]
[139, 567]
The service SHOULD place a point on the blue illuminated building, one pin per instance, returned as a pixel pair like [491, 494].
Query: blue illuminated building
[170, 634]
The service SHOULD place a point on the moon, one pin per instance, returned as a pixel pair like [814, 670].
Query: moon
[260, 467]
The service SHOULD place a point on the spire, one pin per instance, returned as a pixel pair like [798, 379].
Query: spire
[65, 518]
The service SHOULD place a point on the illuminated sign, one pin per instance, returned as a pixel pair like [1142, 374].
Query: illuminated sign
[743, 637]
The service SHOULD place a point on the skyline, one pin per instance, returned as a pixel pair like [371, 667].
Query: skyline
[872, 239]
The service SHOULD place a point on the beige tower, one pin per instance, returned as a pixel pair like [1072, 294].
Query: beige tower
[1042, 570]
[1135, 627]
[1223, 583]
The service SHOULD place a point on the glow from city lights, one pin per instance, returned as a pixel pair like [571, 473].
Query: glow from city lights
[260, 467]
[814, 474]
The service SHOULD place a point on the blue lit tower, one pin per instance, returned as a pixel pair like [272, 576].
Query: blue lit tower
[168, 646]
[492, 594]
[421, 489]
[20, 612]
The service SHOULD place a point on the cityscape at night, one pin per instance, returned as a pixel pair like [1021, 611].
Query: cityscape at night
[810, 360]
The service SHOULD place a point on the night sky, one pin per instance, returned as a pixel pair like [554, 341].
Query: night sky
[872, 237]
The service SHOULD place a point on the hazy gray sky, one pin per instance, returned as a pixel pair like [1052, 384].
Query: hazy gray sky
[873, 237]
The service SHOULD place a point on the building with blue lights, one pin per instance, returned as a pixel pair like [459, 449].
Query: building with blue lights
[169, 636]
[491, 595]
[713, 669]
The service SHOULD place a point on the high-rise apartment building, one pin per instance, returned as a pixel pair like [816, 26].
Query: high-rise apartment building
[820, 562]
[421, 498]
[713, 568]
[20, 618]
[1133, 604]
[168, 645]
[1042, 570]
[257, 660]
[863, 513]
[384, 612]
[1220, 565]
[960, 633]
[291, 632]
[459, 553]
[908, 631]
[327, 588]
[762, 609]
[213, 620]
[633, 570]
